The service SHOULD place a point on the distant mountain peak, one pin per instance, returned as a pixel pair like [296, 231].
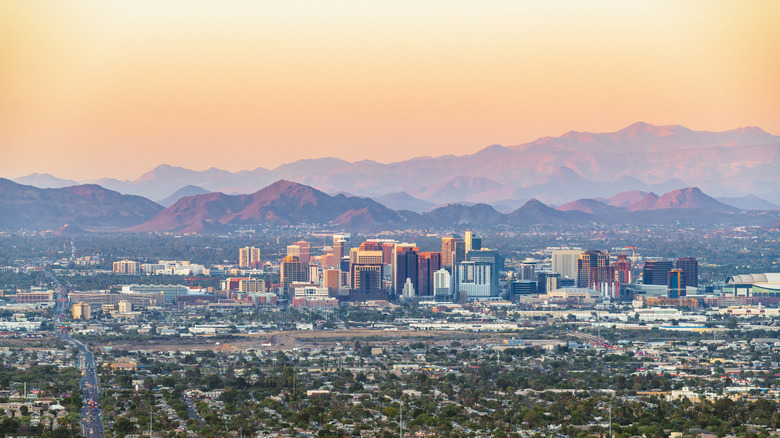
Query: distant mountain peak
[188, 190]
[82, 206]
[283, 202]
[578, 164]
[534, 204]
[45, 181]
[590, 206]
[749, 130]
[749, 202]
[686, 198]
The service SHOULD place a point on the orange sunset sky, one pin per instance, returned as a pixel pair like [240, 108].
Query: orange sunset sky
[113, 88]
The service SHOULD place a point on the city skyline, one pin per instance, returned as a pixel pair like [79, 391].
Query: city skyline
[261, 85]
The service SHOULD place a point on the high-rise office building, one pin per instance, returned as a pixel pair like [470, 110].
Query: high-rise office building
[327, 257]
[313, 273]
[248, 257]
[547, 281]
[291, 270]
[405, 266]
[594, 271]
[370, 245]
[474, 279]
[564, 262]
[387, 248]
[338, 252]
[492, 257]
[427, 264]
[459, 253]
[690, 266]
[442, 285]
[527, 270]
[522, 287]
[623, 269]
[385, 245]
[587, 267]
[365, 268]
[367, 280]
[341, 246]
[656, 272]
[472, 242]
[346, 272]
[294, 250]
[453, 250]
[304, 251]
[331, 279]
[676, 283]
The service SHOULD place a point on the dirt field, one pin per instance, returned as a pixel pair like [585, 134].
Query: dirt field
[288, 340]
[31, 343]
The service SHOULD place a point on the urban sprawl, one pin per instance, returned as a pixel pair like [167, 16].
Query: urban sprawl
[299, 332]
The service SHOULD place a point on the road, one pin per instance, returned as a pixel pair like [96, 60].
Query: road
[91, 414]
[193, 412]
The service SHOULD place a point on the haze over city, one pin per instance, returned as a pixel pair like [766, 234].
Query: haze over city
[505, 219]
[109, 88]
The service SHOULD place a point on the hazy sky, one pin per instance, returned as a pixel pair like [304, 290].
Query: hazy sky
[114, 88]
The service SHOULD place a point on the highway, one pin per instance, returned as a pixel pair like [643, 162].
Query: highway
[91, 414]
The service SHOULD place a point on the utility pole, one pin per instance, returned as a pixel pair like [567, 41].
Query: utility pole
[598, 324]
[401, 417]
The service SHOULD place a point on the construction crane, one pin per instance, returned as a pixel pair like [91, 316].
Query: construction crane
[633, 252]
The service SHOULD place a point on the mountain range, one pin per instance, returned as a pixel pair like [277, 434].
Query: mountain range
[555, 170]
[84, 208]
[281, 203]
[289, 203]
[81, 206]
